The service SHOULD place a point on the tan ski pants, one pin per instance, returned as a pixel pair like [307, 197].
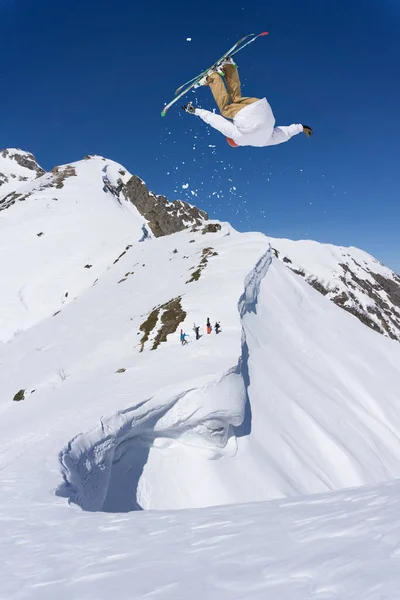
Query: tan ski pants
[230, 101]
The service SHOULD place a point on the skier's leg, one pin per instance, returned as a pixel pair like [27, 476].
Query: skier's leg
[222, 97]
[233, 82]
[219, 92]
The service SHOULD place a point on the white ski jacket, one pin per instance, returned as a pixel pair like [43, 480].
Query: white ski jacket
[252, 126]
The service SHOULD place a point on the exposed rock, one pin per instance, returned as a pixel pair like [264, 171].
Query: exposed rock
[391, 287]
[29, 162]
[25, 159]
[205, 255]
[211, 228]
[147, 326]
[19, 396]
[371, 297]
[164, 217]
[9, 200]
[317, 285]
[172, 314]
[361, 316]
[62, 173]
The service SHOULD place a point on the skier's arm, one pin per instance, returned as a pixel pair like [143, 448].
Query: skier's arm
[219, 123]
[284, 133]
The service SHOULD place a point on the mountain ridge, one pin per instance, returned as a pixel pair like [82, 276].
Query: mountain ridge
[110, 425]
[356, 282]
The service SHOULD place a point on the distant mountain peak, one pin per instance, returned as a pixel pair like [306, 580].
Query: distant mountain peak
[23, 159]
[16, 169]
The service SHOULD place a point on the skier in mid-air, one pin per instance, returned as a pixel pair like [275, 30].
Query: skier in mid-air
[253, 119]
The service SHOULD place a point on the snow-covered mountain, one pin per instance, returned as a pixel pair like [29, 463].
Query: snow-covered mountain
[61, 231]
[16, 168]
[101, 405]
[351, 278]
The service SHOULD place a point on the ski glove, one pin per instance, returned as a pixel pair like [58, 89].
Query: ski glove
[189, 108]
[307, 130]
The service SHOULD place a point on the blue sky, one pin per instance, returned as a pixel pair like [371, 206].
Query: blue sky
[91, 77]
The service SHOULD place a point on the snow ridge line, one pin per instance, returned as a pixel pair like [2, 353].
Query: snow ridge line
[248, 303]
[96, 466]
[248, 300]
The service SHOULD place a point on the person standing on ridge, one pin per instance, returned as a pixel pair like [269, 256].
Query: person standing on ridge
[253, 119]
[208, 325]
[183, 337]
[217, 327]
[196, 330]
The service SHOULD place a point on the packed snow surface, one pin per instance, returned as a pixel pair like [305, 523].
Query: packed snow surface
[344, 545]
[294, 397]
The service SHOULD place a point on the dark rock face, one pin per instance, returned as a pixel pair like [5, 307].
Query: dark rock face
[9, 200]
[164, 217]
[392, 288]
[29, 162]
[26, 160]
[317, 285]
[211, 228]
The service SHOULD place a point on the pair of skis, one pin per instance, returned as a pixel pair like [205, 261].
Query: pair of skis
[192, 83]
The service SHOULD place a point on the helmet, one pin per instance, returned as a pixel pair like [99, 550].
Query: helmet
[232, 142]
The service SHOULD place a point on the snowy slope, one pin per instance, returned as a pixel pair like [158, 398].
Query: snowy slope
[350, 277]
[16, 168]
[64, 234]
[320, 417]
[295, 396]
[344, 545]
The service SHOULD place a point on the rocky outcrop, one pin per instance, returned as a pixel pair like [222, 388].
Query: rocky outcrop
[16, 169]
[372, 297]
[61, 174]
[164, 217]
[24, 159]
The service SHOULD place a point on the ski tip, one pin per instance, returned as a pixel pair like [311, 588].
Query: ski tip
[264, 33]
[163, 113]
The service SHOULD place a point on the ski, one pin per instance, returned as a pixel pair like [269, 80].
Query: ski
[189, 85]
[215, 64]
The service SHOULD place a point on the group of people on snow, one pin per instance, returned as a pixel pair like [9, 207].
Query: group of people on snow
[196, 329]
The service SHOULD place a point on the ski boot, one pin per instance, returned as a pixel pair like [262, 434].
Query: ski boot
[227, 61]
[204, 80]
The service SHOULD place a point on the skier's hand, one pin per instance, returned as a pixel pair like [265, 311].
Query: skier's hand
[307, 130]
[189, 108]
